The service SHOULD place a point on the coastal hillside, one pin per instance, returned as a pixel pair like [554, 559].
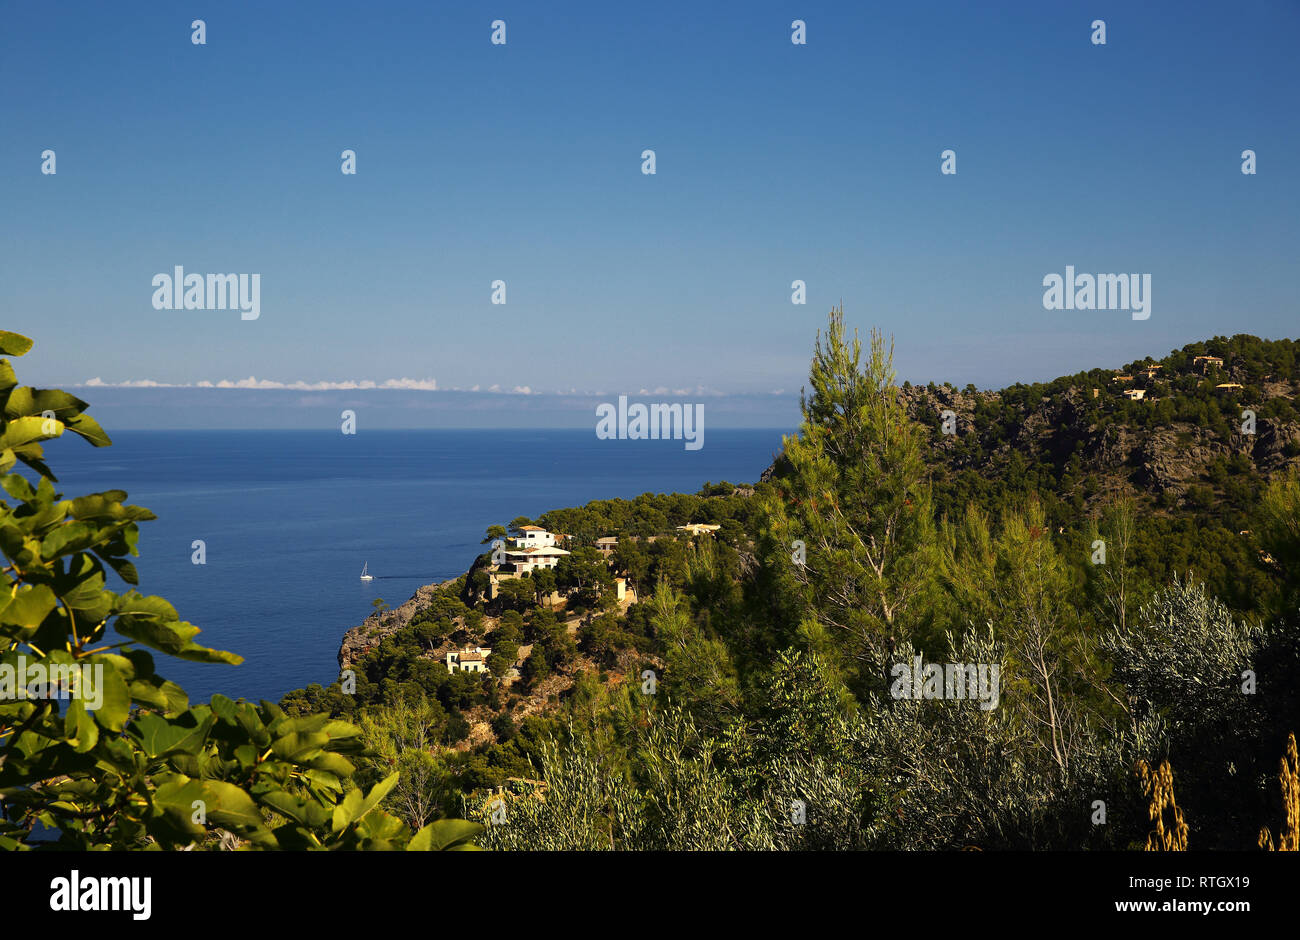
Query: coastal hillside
[1168, 432]
[1163, 488]
[546, 634]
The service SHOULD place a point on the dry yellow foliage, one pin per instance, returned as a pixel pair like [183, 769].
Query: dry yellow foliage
[1288, 840]
[1170, 834]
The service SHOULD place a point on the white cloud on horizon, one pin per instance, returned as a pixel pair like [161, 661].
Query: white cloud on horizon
[404, 384]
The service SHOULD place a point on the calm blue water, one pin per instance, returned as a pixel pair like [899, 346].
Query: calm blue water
[289, 518]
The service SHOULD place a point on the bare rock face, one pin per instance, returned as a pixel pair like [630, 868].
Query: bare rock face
[1271, 443]
[365, 637]
[1165, 462]
[1113, 444]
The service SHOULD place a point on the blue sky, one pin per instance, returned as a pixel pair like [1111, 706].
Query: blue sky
[522, 162]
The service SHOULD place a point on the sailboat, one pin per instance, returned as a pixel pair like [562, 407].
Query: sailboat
[364, 575]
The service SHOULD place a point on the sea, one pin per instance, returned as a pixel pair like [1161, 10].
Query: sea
[288, 518]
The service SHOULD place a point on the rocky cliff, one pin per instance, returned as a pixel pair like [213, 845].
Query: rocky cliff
[366, 636]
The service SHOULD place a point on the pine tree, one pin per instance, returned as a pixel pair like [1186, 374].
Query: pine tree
[853, 519]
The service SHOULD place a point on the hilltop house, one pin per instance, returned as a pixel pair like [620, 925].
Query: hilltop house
[468, 660]
[606, 545]
[1121, 378]
[1226, 386]
[1203, 364]
[698, 528]
[532, 549]
[1135, 394]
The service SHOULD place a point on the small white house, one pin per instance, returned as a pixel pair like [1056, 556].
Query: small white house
[468, 660]
[1135, 394]
[698, 528]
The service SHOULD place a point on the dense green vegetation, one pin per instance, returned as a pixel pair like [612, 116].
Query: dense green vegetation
[746, 699]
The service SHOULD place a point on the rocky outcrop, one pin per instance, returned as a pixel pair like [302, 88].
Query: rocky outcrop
[360, 639]
[1174, 457]
[774, 470]
[1273, 441]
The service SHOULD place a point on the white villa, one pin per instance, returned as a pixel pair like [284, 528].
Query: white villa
[698, 528]
[468, 660]
[525, 560]
[531, 549]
